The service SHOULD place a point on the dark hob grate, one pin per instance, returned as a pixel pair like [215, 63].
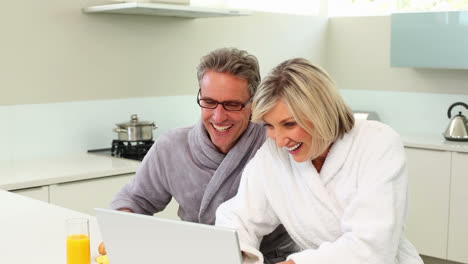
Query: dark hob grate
[131, 149]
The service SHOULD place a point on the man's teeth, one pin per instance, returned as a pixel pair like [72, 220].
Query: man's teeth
[294, 147]
[221, 128]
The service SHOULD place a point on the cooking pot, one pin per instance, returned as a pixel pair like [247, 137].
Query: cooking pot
[135, 130]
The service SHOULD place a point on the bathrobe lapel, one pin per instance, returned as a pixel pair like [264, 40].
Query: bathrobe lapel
[227, 176]
[318, 183]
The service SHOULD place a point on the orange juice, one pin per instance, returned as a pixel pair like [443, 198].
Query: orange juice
[78, 249]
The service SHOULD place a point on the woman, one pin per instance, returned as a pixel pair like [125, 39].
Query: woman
[338, 186]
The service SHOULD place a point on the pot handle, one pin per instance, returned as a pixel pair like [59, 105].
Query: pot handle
[119, 130]
[154, 126]
[449, 112]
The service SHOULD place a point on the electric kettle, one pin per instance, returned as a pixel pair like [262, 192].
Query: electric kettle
[458, 126]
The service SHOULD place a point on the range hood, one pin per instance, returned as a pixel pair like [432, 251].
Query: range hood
[157, 9]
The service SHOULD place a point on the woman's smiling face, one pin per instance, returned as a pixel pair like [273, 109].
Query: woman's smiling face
[283, 128]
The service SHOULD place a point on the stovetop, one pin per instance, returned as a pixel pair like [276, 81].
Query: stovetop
[135, 150]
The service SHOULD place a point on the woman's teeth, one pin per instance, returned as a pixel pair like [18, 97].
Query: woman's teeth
[294, 147]
[221, 128]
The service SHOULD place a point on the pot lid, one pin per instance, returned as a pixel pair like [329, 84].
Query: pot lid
[135, 122]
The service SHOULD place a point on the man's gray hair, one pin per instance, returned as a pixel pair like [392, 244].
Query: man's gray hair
[234, 61]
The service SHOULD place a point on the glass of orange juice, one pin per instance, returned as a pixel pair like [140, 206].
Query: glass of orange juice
[78, 246]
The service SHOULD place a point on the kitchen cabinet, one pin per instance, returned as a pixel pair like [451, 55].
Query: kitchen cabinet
[38, 193]
[85, 195]
[458, 228]
[429, 188]
[445, 30]
[437, 216]
[170, 212]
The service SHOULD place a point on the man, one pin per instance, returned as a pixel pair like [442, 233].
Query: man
[201, 166]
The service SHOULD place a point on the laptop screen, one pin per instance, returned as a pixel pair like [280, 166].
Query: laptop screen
[135, 238]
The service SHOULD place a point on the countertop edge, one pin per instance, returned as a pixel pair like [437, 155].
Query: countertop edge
[435, 147]
[66, 179]
[428, 142]
[434, 142]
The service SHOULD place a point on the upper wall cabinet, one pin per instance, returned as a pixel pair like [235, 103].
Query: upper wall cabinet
[430, 40]
[157, 9]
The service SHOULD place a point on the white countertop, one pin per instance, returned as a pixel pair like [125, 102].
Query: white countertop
[20, 174]
[34, 232]
[435, 142]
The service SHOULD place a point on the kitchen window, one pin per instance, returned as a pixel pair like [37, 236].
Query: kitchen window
[301, 7]
[386, 7]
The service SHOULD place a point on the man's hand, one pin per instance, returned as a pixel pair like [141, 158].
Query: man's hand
[287, 262]
[126, 210]
[102, 249]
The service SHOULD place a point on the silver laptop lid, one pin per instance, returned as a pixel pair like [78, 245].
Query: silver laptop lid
[134, 238]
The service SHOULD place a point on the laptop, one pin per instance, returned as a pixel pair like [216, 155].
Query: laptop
[135, 238]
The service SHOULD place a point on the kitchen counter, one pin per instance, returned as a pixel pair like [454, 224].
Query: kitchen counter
[20, 174]
[34, 231]
[435, 142]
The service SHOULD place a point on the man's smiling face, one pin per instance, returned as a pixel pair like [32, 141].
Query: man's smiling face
[225, 127]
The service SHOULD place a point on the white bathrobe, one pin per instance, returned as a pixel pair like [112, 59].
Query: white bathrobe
[353, 212]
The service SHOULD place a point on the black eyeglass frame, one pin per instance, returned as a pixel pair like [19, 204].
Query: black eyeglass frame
[243, 105]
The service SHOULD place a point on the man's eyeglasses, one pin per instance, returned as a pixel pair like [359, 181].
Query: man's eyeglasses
[228, 105]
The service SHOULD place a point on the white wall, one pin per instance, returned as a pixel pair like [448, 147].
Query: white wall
[68, 77]
[35, 130]
[413, 101]
[52, 52]
[358, 57]
[409, 113]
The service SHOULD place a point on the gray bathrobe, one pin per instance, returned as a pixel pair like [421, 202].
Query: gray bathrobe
[185, 164]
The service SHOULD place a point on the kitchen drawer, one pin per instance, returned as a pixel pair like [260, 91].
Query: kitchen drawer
[86, 195]
[38, 193]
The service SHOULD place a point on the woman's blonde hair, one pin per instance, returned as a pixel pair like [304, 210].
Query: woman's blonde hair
[312, 98]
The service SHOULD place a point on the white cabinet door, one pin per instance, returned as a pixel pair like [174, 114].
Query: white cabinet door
[84, 196]
[458, 229]
[429, 186]
[38, 193]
